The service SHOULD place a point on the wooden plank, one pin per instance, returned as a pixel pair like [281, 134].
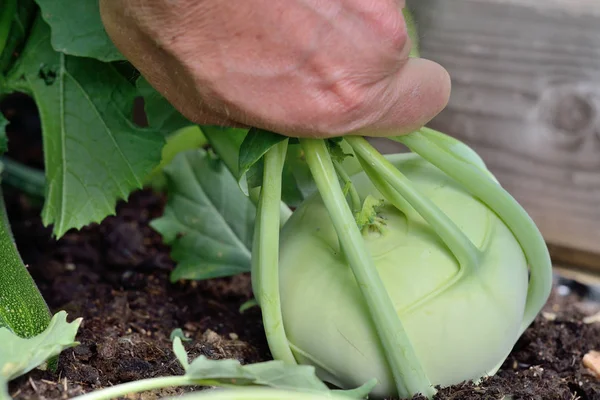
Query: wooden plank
[526, 97]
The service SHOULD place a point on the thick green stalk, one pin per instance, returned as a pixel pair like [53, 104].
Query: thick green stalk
[406, 369]
[22, 307]
[503, 204]
[459, 244]
[265, 254]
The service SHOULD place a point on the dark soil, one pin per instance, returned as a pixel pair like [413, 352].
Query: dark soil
[116, 276]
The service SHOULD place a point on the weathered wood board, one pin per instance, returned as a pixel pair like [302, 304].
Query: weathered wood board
[526, 97]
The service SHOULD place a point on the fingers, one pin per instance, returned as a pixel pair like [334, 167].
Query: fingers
[414, 96]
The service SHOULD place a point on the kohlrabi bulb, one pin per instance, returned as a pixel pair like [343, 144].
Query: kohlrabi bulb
[460, 329]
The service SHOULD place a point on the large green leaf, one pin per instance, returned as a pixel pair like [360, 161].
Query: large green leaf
[94, 153]
[19, 356]
[77, 29]
[208, 221]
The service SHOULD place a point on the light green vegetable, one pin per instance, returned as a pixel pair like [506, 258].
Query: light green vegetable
[452, 249]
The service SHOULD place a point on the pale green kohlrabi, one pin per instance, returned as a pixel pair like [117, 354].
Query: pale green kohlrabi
[457, 279]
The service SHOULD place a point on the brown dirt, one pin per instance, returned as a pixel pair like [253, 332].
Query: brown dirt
[115, 276]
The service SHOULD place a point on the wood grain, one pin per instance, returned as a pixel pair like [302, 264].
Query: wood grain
[526, 97]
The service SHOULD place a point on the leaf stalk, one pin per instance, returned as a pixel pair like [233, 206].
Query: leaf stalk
[407, 371]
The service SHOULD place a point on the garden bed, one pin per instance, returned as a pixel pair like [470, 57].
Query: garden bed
[115, 276]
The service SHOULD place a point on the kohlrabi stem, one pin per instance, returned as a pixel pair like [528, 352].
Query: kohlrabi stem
[504, 205]
[9, 8]
[354, 197]
[458, 243]
[142, 385]
[265, 254]
[406, 368]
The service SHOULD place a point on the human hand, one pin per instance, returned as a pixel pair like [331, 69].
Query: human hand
[304, 68]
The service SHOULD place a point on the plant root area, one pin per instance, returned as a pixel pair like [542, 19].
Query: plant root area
[115, 275]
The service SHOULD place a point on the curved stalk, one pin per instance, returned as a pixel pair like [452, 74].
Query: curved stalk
[265, 254]
[503, 204]
[406, 369]
[459, 244]
[136, 387]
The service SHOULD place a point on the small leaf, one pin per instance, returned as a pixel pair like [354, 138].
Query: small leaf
[208, 222]
[222, 371]
[367, 217]
[336, 151]
[178, 333]
[94, 154]
[273, 374]
[248, 305]
[3, 139]
[254, 147]
[19, 356]
[180, 352]
[77, 29]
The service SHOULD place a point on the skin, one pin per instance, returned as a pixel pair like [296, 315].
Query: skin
[303, 68]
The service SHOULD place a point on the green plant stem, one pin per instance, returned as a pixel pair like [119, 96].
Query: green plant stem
[9, 8]
[265, 254]
[137, 386]
[406, 369]
[354, 197]
[459, 244]
[30, 180]
[504, 205]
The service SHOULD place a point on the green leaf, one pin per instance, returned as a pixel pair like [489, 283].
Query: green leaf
[18, 28]
[208, 221]
[162, 116]
[19, 356]
[94, 153]
[273, 374]
[3, 139]
[179, 351]
[77, 29]
[254, 147]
